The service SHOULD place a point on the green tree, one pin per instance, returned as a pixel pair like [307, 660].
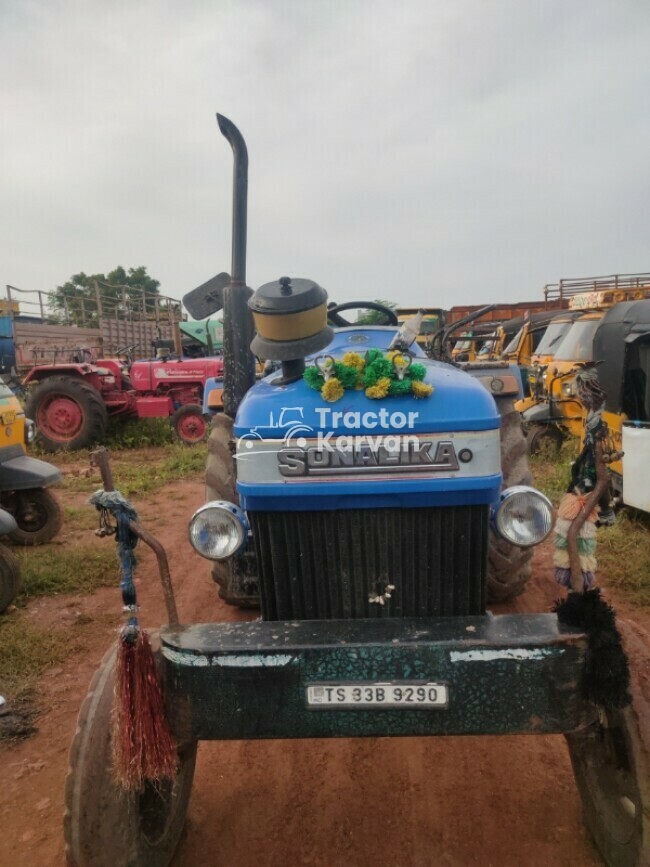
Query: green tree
[374, 317]
[121, 294]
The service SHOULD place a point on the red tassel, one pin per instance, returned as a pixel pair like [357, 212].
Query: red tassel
[143, 745]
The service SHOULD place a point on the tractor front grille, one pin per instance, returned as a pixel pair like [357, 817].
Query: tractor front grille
[327, 565]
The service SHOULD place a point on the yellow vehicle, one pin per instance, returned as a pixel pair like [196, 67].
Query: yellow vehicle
[622, 346]
[552, 412]
[558, 413]
[29, 514]
[432, 322]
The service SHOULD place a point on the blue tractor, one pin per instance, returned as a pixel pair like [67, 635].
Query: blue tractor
[372, 501]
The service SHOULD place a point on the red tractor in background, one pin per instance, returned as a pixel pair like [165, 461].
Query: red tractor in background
[71, 403]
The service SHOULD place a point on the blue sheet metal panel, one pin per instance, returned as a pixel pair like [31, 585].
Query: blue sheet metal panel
[370, 495]
[6, 326]
[459, 403]
[505, 675]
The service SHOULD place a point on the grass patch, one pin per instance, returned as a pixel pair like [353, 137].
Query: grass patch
[51, 570]
[552, 475]
[25, 652]
[624, 555]
[140, 433]
[80, 518]
[143, 471]
[623, 552]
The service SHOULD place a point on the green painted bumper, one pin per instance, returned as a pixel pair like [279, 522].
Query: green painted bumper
[504, 675]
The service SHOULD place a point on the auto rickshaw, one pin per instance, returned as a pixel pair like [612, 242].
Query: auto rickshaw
[23, 479]
[621, 347]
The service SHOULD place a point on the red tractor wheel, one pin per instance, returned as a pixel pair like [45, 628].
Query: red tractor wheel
[189, 424]
[68, 413]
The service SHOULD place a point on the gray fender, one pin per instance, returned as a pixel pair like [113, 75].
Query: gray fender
[537, 414]
[19, 472]
[7, 523]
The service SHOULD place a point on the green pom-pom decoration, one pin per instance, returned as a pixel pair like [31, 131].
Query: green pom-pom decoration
[347, 376]
[416, 371]
[380, 368]
[314, 378]
[398, 388]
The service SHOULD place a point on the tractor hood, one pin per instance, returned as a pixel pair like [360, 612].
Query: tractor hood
[296, 450]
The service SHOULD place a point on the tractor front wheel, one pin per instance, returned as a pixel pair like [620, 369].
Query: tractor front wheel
[509, 567]
[611, 763]
[68, 412]
[37, 513]
[9, 578]
[104, 824]
[189, 424]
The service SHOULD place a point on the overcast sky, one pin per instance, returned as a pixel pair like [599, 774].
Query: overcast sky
[433, 153]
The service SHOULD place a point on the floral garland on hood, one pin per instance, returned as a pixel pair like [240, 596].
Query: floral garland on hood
[391, 375]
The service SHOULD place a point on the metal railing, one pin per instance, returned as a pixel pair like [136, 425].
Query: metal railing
[567, 288]
[132, 304]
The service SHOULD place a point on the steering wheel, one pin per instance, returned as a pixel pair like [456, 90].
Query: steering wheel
[333, 312]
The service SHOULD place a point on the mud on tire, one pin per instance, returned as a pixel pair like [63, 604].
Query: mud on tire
[68, 413]
[103, 824]
[509, 567]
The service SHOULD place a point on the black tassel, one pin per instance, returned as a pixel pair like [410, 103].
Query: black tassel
[607, 674]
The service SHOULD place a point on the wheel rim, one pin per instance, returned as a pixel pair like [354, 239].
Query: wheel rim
[60, 418]
[31, 515]
[192, 428]
[609, 770]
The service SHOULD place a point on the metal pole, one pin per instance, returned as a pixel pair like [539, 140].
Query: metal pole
[239, 363]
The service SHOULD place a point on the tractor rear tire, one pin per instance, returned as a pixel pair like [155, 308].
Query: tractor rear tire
[611, 763]
[509, 567]
[189, 424]
[37, 513]
[544, 439]
[9, 578]
[104, 824]
[68, 413]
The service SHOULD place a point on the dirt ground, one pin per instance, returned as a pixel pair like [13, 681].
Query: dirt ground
[412, 802]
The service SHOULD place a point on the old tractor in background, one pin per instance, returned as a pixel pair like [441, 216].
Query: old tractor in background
[29, 513]
[376, 530]
[72, 403]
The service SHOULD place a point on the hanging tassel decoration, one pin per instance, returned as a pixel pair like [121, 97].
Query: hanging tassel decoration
[607, 677]
[144, 748]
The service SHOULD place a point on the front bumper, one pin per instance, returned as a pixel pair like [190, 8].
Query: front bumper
[505, 675]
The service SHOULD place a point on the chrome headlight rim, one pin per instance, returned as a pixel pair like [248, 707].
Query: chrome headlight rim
[230, 511]
[546, 512]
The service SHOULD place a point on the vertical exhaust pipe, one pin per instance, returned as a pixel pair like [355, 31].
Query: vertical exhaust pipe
[238, 360]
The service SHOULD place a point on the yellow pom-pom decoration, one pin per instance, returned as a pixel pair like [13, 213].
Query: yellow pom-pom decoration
[421, 389]
[353, 359]
[379, 390]
[332, 390]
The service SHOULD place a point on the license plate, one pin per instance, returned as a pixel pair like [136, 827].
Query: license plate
[8, 417]
[409, 695]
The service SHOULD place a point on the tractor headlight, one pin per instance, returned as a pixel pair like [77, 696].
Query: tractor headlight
[568, 388]
[524, 517]
[218, 530]
[30, 430]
